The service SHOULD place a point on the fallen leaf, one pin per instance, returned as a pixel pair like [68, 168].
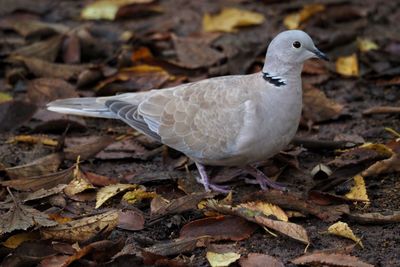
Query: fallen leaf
[138, 195]
[376, 217]
[181, 204]
[82, 229]
[294, 20]
[386, 165]
[289, 229]
[175, 246]
[42, 166]
[14, 113]
[195, 53]
[151, 259]
[45, 50]
[43, 90]
[33, 139]
[107, 9]
[71, 49]
[15, 240]
[48, 121]
[41, 182]
[22, 217]
[132, 220]
[100, 180]
[86, 150]
[219, 228]
[365, 45]
[267, 209]
[126, 148]
[317, 107]
[229, 19]
[383, 109]
[42, 68]
[107, 192]
[330, 260]
[223, 259]
[78, 184]
[358, 192]
[260, 260]
[4, 97]
[137, 78]
[342, 229]
[348, 66]
[30, 27]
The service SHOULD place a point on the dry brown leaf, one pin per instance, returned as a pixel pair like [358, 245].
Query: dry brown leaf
[317, 107]
[294, 20]
[176, 246]
[87, 150]
[22, 217]
[43, 90]
[260, 260]
[41, 68]
[82, 229]
[78, 184]
[392, 164]
[107, 192]
[46, 50]
[342, 229]
[266, 208]
[44, 181]
[292, 230]
[330, 260]
[358, 192]
[15, 240]
[219, 228]
[132, 220]
[231, 18]
[33, 139]
[376, 217]
[42, 166]
[348, 66]
[14, 113]
[221, 259]
[42, 193]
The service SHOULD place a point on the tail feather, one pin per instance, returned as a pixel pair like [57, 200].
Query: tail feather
[85, 106]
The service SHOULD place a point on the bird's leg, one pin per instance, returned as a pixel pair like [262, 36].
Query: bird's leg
[206, 183]
[263, 180]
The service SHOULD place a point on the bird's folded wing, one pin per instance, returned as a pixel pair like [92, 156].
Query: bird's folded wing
[202, 120]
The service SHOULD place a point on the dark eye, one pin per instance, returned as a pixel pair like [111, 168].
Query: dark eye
[296, 44]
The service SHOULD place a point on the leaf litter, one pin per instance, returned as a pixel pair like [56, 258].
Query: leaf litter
[153, 44]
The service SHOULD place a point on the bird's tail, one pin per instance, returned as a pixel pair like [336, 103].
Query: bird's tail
[85, 106]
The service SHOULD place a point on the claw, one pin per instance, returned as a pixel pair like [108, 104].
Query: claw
[206, 183]
[264, 181]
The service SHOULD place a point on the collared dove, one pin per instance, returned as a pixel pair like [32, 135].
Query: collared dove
[225, 121]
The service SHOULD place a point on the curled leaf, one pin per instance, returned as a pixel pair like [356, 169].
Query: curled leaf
[342, 229]
[358, 191]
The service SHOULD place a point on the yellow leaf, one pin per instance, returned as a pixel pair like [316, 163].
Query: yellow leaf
[137, 195]
[347, 66]
[223, 259]
[380, 148]
[294, 20]
[343, 230]
[107, 9]
[210, 213]
[109, 191]
[365, 45]
[15, 240]
[4, 97]
[31, 139]
[358, 191]
[267, 209]
[229, 19]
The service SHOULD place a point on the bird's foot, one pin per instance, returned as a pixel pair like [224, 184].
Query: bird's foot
[264, 181]
[206, 183]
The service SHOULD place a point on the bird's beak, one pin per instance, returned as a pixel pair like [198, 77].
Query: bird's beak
[321, 55]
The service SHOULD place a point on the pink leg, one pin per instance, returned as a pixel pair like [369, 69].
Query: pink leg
[206, 183]
[263, 180]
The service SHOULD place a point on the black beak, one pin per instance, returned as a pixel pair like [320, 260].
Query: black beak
[320, 55]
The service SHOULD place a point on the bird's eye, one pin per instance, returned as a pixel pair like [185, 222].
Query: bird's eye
[296, 44]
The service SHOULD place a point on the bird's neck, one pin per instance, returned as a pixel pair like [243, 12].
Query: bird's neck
[280, 73]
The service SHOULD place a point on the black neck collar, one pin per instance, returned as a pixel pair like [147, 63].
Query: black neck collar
[274, 80]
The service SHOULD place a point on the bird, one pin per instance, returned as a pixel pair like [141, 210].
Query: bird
[233, 120]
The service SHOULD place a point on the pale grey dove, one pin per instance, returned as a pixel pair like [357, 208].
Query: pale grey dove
[226, 121]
